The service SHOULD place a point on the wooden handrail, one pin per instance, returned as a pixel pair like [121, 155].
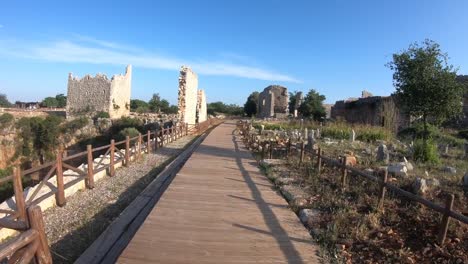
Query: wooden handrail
[17, 243]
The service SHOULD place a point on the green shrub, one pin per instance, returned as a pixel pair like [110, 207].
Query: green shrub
[129, 131]
[102, 114]
[6, 119]
[76, 124]
[426, 153]
[463, 134]
[126, 122]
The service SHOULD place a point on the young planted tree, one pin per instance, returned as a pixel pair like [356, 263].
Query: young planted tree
[312, 106]
[426, 86]
[251, 105]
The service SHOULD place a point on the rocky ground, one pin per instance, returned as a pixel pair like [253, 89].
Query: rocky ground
[72, 228]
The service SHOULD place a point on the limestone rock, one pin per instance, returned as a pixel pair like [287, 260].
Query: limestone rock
[420, 186]
[398, 169]
[450, 170]
[309, 216]
[272, 162]
[383, 154]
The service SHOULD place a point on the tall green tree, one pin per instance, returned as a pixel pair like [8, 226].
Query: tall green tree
[50, 102]
[251, 105]
[137, 105]
[426, 85]
[312, 106]
[61, 100]
[4, 101]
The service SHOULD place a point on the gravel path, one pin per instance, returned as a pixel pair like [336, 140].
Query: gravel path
[72, 228]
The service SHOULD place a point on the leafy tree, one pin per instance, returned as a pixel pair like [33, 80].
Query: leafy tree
[173, 109]
[251, 106]
[50, 102]
[136, 104]
[4, 101]
[426, 85]
[312, 106]
[61, 100]
[221, 108]
[156, 104]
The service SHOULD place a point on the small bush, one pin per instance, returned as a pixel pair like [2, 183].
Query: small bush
[102, 114]
[426, 153]
[6, 119]
[126, 122]
[463, 134]
[76, 124]
[129, 131]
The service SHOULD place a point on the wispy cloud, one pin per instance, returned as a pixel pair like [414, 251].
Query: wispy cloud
[83, 49]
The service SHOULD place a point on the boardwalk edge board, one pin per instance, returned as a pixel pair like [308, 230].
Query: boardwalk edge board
[110, 244]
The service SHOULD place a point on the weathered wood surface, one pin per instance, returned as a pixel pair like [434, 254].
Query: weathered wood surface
[221, 209]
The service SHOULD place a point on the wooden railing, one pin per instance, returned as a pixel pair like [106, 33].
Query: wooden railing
[268, 148]
[30, 244]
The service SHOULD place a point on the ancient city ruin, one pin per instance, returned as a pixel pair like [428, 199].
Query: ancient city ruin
[273, 102]
[188, 95]
[299, 99]
[202, 114]
[370, 110]
[95, 94]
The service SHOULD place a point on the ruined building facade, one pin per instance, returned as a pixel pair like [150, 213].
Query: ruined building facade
[202, 114]
[90, 95]
[371, 110]
[192, 102]
[299, 99]
[273, 102]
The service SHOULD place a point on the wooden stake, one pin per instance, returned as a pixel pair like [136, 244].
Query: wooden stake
[90, 181]
[60, 195]
[445, 219]
[140, 142]
[148, 142]
[319, 160]
[156, 137]
[37, 223]
[127, 151]
[302, 152]
[112, 159]
[383, 190]
[19, 195]
[344, 172]
[271, 149]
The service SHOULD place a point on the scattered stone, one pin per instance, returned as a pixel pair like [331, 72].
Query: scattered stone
[285, 181]
[272, 162]
[420, 186]
[353, 136]
[398, 169]
[450, 170]
[408, 164]
[383, 154]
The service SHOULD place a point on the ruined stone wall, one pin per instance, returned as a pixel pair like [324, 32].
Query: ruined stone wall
[188, 93]
[89, 95]
[201, 106]
[273, 102]
[375, 111]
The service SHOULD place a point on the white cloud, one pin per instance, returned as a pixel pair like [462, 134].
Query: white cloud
[89, 50]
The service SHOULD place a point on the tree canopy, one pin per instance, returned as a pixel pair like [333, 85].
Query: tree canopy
[222, 108]
[425, 83]
[312, 106]
[251, 105]
[50, 102]
[4, 101]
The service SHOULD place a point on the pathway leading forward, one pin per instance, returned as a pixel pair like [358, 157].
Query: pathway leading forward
[221, 209]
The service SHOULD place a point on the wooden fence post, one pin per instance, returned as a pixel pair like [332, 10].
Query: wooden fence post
[344, 172]
[37, 223]
[263, 150]
[19, 196]
[445, 219]
[162, 138]
[302, 152]
[60, 196]
[289, 148]
[148, 142]
[271, 149]
[112, 159]
[127, 150]
[156, 137]
[90, 181]
[186, 129]
[140, 142]
[319, 160]
[383, 189]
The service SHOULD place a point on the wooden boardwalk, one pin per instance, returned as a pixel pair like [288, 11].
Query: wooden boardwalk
[221, 209]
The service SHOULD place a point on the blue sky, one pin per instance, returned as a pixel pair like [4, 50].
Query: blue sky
[336, 47]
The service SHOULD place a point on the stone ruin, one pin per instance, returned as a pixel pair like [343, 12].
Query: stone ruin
[90, 95]
[371, 110]
[299, 99]
[273, 102]
[201, 106]
[192, 102]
